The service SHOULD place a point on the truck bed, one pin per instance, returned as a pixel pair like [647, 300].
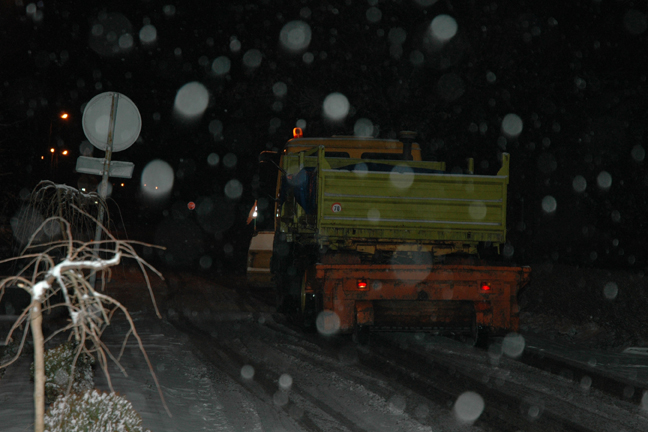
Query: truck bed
[408, 204]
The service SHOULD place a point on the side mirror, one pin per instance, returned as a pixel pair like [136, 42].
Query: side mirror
[271, 157]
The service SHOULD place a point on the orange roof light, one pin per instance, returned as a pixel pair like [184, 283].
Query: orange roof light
[298, 133]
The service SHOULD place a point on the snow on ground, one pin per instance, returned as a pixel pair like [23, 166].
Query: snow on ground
[254, 374]
[190, 396]
[586, 307]
[279, 382]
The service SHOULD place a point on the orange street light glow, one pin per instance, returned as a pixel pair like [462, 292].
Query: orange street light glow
[52, 150]
[64, 152]
[64, 116]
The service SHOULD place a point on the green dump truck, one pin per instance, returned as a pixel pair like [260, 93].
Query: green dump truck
[368, 237]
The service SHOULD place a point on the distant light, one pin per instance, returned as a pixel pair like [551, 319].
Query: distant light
[298, 133]
[52, 150]
[122, 185]
[42, 157]
[64, 116]
[191, 205]
[64, 152]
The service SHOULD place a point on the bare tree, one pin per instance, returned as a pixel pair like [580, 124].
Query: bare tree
[49, 200]
[65, 283]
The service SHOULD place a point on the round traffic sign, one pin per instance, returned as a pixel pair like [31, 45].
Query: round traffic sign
[96, 121]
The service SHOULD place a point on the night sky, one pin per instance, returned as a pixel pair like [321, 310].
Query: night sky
[570, 71]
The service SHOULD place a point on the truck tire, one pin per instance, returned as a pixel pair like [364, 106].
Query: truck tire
[479, 336]
[311, 305]
[282, 266]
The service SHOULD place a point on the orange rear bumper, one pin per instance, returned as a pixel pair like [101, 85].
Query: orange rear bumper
[421, 297]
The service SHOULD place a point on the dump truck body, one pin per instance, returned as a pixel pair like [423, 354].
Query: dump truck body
[367, 234]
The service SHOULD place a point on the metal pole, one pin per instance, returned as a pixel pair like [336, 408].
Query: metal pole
[103, 186]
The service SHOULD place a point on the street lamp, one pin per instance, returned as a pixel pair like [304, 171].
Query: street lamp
[64, 116]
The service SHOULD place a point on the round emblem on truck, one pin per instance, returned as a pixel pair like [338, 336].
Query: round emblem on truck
[336, 207]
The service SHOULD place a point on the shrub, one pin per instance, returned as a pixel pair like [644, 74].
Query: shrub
[58, 369]
[92, 411]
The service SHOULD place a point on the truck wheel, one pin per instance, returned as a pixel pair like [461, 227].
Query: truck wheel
[280, 266]
[478, 337]
[289, 289]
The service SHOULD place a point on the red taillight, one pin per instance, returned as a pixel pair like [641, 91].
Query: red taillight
[485, 287]
[362, 284]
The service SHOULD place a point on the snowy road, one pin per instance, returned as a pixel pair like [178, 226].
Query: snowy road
[313, 384]
[226, 362]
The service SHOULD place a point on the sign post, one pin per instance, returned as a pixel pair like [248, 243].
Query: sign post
[111, 130]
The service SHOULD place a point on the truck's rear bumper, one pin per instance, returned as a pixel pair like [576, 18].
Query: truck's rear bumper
[437, 298]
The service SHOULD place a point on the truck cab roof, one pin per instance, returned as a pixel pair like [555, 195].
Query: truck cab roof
[354, 147]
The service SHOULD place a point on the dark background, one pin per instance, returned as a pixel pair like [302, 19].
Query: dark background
[572, 71]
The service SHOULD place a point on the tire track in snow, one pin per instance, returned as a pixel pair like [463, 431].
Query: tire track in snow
[264, 384]
[345, 398]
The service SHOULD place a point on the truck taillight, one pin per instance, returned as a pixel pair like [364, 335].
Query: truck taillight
[298, 133]
[362, 284]
[485, 287]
